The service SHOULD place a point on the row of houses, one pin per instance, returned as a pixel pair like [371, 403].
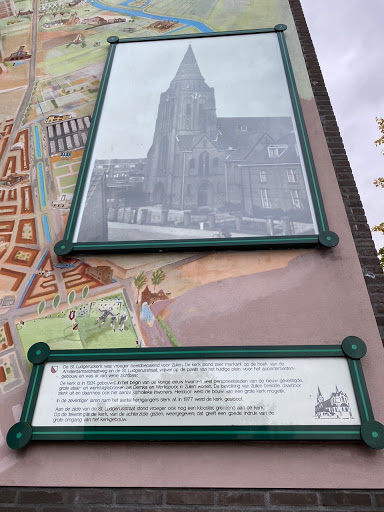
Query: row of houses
[95, 21]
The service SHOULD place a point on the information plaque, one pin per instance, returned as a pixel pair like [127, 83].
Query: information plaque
[199, 393]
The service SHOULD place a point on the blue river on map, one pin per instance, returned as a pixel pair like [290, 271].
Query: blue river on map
[40, 170]
[193, 23]
[46, 228]
[38, 143]
[127, 2]
[32, 278]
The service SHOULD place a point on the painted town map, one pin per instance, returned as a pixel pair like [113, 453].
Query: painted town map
[52, 54]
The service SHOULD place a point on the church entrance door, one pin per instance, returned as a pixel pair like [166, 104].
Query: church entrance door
[205, 194]
[158, 194]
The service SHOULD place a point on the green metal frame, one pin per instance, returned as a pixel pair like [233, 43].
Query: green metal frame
[325, 238]
[352, 348]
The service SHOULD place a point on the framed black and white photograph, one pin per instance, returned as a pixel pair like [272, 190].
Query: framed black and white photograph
[197, 141]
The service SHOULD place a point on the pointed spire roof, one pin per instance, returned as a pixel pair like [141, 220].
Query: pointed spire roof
[188, 69]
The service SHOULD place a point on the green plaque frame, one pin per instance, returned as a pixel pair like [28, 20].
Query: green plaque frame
[325, 237]
[352, 348]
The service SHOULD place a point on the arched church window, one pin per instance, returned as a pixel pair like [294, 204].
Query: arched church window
[201, 115]
[192, 164]
[163, 154]
[189, 110]
[201, 164]
[204, 164]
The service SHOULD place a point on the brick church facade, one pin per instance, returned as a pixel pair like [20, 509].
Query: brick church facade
[198, 159]
[235, 174]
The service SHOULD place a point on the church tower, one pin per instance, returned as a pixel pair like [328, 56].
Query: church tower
[194, 100]
[186, 108]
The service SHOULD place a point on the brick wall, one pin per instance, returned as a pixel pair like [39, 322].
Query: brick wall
[25, 499]
[365, 247]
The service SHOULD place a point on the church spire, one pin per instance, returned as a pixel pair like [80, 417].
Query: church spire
[188, 69]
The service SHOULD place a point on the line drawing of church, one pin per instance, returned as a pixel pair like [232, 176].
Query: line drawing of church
[239, 175]
[335, 407]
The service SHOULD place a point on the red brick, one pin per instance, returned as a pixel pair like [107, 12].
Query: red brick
[10, 508]
[345, 498]
[358, 211]
[376, 288]
[190, 497]
[372, 262]
[40, 497]
[380, 319]
[364, 243]
[379, 500]
[292, 498]
[241, 498]
[93, 496]
[378, 298]
[7, 495]
[358, 218]
[150, 508]
[139, 496]
[66, 508]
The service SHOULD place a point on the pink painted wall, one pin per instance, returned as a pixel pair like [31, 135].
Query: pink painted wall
[326, 289]
[270, 297]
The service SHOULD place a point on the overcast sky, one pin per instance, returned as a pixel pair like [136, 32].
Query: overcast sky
[252, 63]
[348, 37]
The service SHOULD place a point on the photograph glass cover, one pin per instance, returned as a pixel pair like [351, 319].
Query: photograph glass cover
[196, 140]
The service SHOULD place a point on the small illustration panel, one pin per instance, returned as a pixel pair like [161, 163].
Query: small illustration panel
[336, 407]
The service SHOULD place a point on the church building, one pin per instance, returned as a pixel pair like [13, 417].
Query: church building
[336, 406]
[197, 159]
[239, 174]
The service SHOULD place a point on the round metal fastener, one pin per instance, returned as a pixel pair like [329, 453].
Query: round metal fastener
[372, 433]
[38, 353]
[19, 435]
[354, 347]
[328, 239]
[63, 247]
